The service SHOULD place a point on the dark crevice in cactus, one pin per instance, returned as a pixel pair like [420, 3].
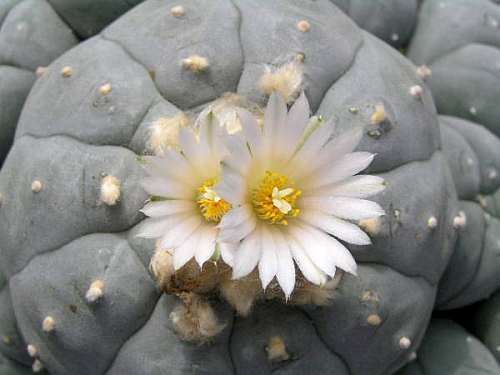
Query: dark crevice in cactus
[15, 67]
[133, 58]
[475, 272]
[146, 321]
[240, 22]
[405, 274]
[229, 341]
[321, 338]
[438, 59]
[61, 17]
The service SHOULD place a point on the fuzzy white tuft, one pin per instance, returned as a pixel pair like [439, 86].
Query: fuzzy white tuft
[177, 11]
[162, 266]
[36, 186]
[404, 342]
[276, 350]
[285, 80]
[460, 221]
[303, 26]
[48, 324]
[105, 89]
[374, 320]
[32, 350]
[67, 71]
[110, 190]
[164, 133]
[196, 63]
[416, 91]
[424, 72]
[194, 320]
[37, 366]
[41, 70]
[432, 222]
[95, 292]
[379, 115]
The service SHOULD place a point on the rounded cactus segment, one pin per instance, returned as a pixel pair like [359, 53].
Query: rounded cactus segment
[390, 20]
[448, 349]
[86, 337]
[82, 132]
[486, 324]
[43, 35]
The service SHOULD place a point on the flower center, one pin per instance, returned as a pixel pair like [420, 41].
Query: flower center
[212, 206]
[275, 199]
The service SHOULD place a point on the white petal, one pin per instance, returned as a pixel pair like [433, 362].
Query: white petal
[206, 244]
[251, 130]
[315, 248]
[274, 123]
[238, 232]
[171, 165]
[306, 266]
[247, 255]
[286, 269]
[362, 186]
[345, 167]
[312, 146]
[297, 120]
[339, 146]
[236, 216]
[227, 252]
[345, 208]
[341, 229]
[238, 158]
[177, 234]
[232, 187]
[167, 188]
[168, 207]
[157, 227]
[268, 264]
[186, 251]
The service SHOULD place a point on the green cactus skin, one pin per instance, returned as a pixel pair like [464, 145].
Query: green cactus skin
[448, 349]
[392, 21]
[486, 324]
[57, 239]
[459, 41]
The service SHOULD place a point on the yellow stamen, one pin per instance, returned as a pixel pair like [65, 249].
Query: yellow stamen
[275, 199]
[212, 206]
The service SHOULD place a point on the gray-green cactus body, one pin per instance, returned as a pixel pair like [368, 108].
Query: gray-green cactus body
[459, 41]
[34, 33]
[58, 236]
[448, 349]
[486, 324]
[473, 153]
[392, 21]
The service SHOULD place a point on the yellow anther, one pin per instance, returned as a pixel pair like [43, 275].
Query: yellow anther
[212, 206]
[275, 199]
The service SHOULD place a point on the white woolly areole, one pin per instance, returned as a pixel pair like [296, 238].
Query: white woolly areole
[285, 80]
[48, 324]
[110, 190]
[95, 292]
[164, 133]
[37, 366]
[32, 350]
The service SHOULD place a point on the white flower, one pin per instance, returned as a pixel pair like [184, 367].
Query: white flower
[184, 209]
[293, 190]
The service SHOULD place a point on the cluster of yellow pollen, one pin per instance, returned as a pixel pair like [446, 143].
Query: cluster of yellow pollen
[212, 206]
[275, 199]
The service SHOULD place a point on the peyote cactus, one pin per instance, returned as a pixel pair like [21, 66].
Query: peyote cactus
[32, 34]
[459, 40]
[81, 293]
[448, 349]
[390, 20]
[486, 324]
